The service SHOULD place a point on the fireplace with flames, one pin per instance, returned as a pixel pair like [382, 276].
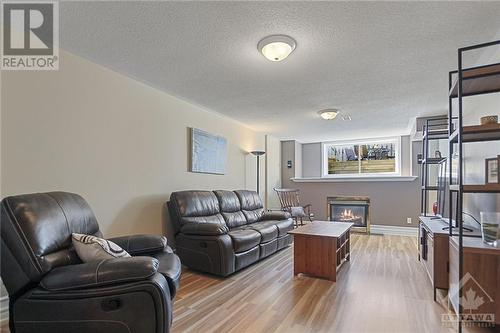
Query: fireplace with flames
[350, 209]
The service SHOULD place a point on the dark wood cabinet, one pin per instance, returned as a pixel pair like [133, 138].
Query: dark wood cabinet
[480, 280]
[433, 251]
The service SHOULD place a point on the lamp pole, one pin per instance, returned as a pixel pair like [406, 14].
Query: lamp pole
[258, 153]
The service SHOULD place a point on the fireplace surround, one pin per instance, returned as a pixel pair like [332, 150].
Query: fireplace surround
[353, 209]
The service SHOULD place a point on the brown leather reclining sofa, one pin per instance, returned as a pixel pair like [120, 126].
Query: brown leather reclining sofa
[221, 232]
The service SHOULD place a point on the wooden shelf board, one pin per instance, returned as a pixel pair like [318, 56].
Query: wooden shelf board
[342, 245]
[478, 133]
[478, 80]
[479, 188]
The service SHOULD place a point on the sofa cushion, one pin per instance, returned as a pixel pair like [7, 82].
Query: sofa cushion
[230, 208]
[188, 207]
[267, 230]
[276, 215]
[228, 201]
[235, 219]
[195, 203]
[209, 227]
[251, 205]
[284, 226]
[244, 239]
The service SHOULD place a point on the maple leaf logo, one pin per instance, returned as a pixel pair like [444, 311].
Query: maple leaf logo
[470, 301]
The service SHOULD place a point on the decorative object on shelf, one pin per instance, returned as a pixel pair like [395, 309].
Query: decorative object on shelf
[486, 120]
[208, 152]
[491, 173]
[258, 153]
[435, 208]
[437, 154]
[489, 227]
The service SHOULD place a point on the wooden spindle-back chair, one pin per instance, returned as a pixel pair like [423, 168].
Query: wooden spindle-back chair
[290, 202]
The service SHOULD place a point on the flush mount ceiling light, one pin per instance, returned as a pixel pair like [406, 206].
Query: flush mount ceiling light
[328, 114]
[276, 47]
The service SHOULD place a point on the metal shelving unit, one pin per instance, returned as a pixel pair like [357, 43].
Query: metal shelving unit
[434, 129]
[462, 83]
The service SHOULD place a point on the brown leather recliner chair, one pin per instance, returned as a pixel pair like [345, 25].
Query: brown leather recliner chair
[221, 232]
[51, 290]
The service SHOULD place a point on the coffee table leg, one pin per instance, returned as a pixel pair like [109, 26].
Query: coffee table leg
[333, 273]
[298, 245]
[348, 246]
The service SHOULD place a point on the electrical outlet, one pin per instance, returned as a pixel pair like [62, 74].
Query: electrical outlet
[408, 220]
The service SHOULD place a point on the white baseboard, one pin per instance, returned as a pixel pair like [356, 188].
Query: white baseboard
[393, 230]
[4, 310]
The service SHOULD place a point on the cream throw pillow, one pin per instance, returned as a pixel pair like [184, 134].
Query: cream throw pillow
[90, 248]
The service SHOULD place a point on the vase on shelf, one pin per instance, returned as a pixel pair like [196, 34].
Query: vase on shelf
[490, 222]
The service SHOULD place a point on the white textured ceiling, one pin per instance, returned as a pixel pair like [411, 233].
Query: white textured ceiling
[382, 63]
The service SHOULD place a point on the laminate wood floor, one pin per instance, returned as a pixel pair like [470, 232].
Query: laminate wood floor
[382, 289]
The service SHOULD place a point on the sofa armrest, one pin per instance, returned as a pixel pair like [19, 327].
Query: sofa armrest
[100, 273]
[141, 244]
[275, 215]
[204, 228]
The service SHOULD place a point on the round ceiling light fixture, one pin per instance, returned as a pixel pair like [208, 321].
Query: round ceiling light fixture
[328, 114]
[276, 47]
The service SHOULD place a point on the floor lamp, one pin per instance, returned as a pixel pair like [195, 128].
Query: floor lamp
[258, 153]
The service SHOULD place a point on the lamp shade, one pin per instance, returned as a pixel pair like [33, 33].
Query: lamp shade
[258, 152]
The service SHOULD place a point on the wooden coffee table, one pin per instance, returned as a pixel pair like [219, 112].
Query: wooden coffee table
[320, 248]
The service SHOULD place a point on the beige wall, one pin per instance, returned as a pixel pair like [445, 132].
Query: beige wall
[119, 143]
[273, 171]
[298, 159]
[391, 202]
[287, 154]
[311, 160]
